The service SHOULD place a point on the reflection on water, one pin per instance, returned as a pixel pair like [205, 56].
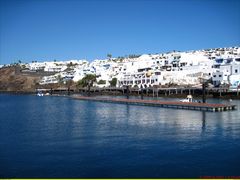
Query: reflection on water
[62, 137]
[203, 121]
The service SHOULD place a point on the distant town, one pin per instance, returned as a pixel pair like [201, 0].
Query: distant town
[219, 65]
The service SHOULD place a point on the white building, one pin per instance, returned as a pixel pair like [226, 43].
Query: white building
[224, 69]
[176, 68]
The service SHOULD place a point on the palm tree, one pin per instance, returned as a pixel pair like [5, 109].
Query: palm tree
[59, 79]
[109, 56]
[113, 82]
[87, 81]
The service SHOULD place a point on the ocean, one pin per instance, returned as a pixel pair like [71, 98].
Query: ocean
[60, 137]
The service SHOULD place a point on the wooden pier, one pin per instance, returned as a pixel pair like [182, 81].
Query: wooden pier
[164, 104]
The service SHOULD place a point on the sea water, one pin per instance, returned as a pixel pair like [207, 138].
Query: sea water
[54, 137]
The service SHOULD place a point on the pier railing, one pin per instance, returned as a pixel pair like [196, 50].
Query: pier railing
[150, 91]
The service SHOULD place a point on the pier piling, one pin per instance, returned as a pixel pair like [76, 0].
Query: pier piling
[127, 92]
[203, 92]
[141, 92]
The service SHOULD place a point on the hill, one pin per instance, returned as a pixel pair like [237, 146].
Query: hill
[12, 80]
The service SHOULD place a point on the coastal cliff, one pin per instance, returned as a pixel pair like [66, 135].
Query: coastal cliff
[12, 80]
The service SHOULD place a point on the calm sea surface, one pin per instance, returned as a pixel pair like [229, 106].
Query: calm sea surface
[62, 137]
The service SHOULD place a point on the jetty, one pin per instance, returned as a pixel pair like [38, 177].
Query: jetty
[164, 104]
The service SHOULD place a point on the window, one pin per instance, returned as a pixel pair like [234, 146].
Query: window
[236, 71]
[220, 76]
[214, 75]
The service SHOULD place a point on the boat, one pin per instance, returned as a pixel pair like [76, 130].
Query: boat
[188, 99]
[39, 93]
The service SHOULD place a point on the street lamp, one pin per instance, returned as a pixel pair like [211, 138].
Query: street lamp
[204, 83]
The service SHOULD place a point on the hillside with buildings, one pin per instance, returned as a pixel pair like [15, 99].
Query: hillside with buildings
[220, 66]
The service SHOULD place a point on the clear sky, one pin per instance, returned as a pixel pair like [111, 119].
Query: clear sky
[77, 29]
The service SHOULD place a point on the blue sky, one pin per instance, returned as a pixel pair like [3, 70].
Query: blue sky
[77, 29]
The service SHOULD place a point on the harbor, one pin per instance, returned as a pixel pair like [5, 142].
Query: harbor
[133, 89]
[88, 94]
